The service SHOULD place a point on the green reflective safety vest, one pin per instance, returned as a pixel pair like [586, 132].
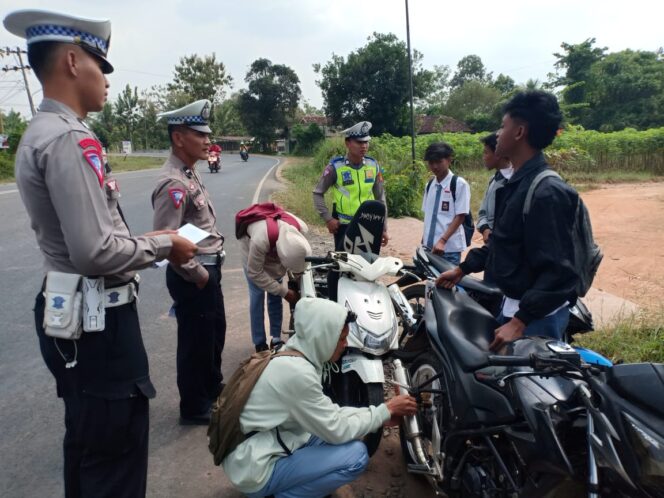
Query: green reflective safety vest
[354, 186]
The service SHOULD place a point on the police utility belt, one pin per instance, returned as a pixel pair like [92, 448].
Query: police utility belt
[76, 304]
[215, 259]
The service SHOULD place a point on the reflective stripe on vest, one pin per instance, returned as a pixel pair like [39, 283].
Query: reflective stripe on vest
[348, 196]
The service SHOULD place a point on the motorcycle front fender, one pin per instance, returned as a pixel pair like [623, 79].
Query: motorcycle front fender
[369, 370]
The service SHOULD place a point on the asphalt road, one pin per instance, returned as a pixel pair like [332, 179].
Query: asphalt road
[31, 419]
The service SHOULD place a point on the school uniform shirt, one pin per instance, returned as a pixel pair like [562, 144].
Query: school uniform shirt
[445, 211]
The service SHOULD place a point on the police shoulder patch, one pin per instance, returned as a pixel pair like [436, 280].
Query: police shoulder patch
[93, 156]
[177, 195]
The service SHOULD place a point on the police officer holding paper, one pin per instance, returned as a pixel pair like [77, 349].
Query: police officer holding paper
[178, 199]
[85, 314]
[355, 177]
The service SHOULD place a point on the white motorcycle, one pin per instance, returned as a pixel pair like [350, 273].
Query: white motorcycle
[374, 335]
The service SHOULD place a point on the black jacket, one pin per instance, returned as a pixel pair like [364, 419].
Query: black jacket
[531, 261]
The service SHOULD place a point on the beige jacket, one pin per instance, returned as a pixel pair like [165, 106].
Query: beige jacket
[262, 265]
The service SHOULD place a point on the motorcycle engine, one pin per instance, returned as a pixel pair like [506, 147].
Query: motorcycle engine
[476, 482]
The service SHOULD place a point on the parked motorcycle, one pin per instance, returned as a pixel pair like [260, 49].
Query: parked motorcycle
[375, 334]
[429, 265]
[214, 162]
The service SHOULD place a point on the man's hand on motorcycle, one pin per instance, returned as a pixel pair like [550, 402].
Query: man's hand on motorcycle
[509, 332]
[449, 278]
[384, 239]
[332, 225]
[439, 247]
[403, 404]
[292, 296]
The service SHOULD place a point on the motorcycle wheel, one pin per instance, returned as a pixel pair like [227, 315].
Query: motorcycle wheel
[415, 295]
[432, 411]
[353, 392]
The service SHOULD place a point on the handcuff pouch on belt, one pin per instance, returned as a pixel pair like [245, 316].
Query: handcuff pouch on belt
[64, 305]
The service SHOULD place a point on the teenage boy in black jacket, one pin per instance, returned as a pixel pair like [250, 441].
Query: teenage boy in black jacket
[531, 260]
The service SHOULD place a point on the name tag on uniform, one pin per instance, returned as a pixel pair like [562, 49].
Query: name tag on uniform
[445, 206]
[369, 176]
[346, 178]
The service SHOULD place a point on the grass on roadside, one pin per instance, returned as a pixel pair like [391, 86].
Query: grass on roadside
[132, 163]
[639, 338]
[303, 174]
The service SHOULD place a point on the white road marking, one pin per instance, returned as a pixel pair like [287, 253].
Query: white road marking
[260, 185]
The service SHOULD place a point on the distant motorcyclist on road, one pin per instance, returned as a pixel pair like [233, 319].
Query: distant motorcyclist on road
[299, 442]
[244, 152]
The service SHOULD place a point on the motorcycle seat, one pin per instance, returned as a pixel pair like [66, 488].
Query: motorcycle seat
[467, 282]
[464, 327]
[642, 383]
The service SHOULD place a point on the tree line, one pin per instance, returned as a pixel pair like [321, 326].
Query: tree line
[598, 90]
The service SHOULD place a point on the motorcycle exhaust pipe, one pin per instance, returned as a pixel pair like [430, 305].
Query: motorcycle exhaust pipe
[411, 426]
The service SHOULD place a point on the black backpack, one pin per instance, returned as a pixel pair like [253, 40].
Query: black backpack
[587, 254]
[468, 223]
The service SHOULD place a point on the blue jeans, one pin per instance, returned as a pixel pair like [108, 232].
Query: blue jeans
[275, 311]
[316, 470]
[452, 257]
[550, 326]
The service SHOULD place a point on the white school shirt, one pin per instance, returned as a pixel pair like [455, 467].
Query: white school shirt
[446, 211]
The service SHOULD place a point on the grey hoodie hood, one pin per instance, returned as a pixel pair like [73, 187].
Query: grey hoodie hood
[318, 325]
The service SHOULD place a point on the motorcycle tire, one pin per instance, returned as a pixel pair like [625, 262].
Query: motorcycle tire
[353, 392]
[422, 368]
[415, 295]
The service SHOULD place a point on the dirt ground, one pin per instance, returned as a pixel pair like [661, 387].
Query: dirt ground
[627, 221]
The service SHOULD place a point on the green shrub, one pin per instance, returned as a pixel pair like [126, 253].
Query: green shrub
[6, 166]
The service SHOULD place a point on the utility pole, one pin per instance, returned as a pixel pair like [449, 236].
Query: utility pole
[21, 67]
[410, 80]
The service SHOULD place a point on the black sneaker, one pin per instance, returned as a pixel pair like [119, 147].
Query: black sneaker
[200, 419]
[261, 347]
[276, 344]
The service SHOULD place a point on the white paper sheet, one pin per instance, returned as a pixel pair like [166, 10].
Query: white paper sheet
[190, 232]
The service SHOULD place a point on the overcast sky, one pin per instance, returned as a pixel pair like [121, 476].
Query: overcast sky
[515, 37]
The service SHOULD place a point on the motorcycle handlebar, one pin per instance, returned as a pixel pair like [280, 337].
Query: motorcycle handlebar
[317, 260]
[511, 361]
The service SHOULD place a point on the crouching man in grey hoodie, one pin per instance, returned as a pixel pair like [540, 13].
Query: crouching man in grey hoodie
[303, 444]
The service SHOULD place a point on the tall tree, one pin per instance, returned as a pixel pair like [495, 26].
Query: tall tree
[372, 84]
[103, 123]
[470, 68]
[14, 125]
[227, 118]
[625, 89]
[270, 101]
[198, 78]
[475, 103]
[572, 71]
[504, 84]
[127, 112]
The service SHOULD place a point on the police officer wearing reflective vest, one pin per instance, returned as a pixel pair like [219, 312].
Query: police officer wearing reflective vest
[355, 177]
[85, 313]
[180, 198]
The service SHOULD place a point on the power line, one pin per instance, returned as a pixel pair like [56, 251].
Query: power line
[21, 67]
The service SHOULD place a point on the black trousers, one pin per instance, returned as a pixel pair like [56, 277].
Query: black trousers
[106, 405]
[201, 335]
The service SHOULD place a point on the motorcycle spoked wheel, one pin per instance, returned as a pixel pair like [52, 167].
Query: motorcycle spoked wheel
[349, 390]
[421, 369]
[415, 295]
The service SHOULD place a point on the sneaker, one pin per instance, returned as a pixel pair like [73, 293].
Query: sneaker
[200, 419]
[276, 344]
[261, 347]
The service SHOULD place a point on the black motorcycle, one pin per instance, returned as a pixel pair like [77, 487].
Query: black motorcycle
[429, 265]
[518, 425]
[244, 155]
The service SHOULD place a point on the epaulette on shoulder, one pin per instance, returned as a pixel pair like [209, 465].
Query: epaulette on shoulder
[370, 160]
[337, 159]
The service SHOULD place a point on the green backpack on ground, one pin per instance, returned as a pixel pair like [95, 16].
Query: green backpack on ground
[224, 433]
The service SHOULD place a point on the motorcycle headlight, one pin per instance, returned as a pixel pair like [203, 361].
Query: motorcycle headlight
[375, 344]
